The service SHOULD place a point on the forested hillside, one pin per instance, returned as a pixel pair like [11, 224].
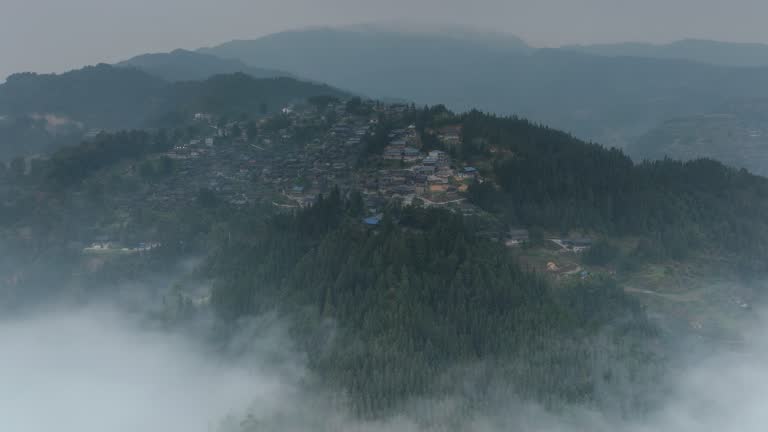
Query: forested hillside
[182, 65]
[240, 93]
[418, 302]
[115, 98]
[104, 96]
[548, 178]
[99, 96]
[421, 297]
[28, 135]
[535, 176]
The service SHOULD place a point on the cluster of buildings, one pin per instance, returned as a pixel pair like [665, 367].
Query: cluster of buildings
[308, 153]
[431, 179]
[246, 163]
[428, 175]
[288, 160]
[403, 145]
[288, 168]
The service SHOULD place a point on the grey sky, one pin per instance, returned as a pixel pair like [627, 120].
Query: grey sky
[57, 35]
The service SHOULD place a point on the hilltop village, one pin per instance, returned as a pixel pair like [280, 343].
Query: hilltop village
[132, 193]
[388, 153]
[290, 159]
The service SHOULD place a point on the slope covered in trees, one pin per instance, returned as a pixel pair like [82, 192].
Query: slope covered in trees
[550, 179]
[183, 65]
[29, 135]
[240, 93]
[99, 96]
[71, 165]
[114, 98]
[110, 97]
[419, 298]
[405, 308]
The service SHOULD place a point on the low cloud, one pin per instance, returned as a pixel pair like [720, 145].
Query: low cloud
[99, 369]
[94, 369]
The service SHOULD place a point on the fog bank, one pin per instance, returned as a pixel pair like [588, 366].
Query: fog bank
[95, 369]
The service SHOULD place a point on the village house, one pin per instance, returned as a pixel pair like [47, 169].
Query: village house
[437, 158]
[450, 136]
[427, 170]
[468, 173]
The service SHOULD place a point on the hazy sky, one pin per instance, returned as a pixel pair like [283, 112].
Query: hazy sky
[56, 35]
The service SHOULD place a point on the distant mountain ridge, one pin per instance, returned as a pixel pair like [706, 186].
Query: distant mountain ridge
[612, 100]
[735, 134]
[698, 50]
[454, 32]
[105, 96]
[101, 95]
[183, 65]
[108, 97]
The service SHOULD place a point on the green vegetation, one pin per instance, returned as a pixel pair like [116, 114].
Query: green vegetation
[417, 297]
[98, 96]
[550, 179]
[73, 164]
[45, 112]
[402, 307]
[182, 65]
[602, 252]
[240, 93]
[27, 136]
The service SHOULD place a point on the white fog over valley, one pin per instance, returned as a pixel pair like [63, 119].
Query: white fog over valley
[95, 368]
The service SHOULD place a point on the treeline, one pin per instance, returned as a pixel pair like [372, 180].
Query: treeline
[71, 165]
[546, 178]
[99, 96]
[110, 97]
[240, 93]
[419, 297]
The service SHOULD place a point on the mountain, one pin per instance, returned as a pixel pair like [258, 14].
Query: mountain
[394, 311]
[182, 65]
[99, 96]
[456, 33]
[242, 93]
[736, 134]
[29, 135]
[610, 99]
[41, 112]
[111, 97]
[704, 51]
[36, 110]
